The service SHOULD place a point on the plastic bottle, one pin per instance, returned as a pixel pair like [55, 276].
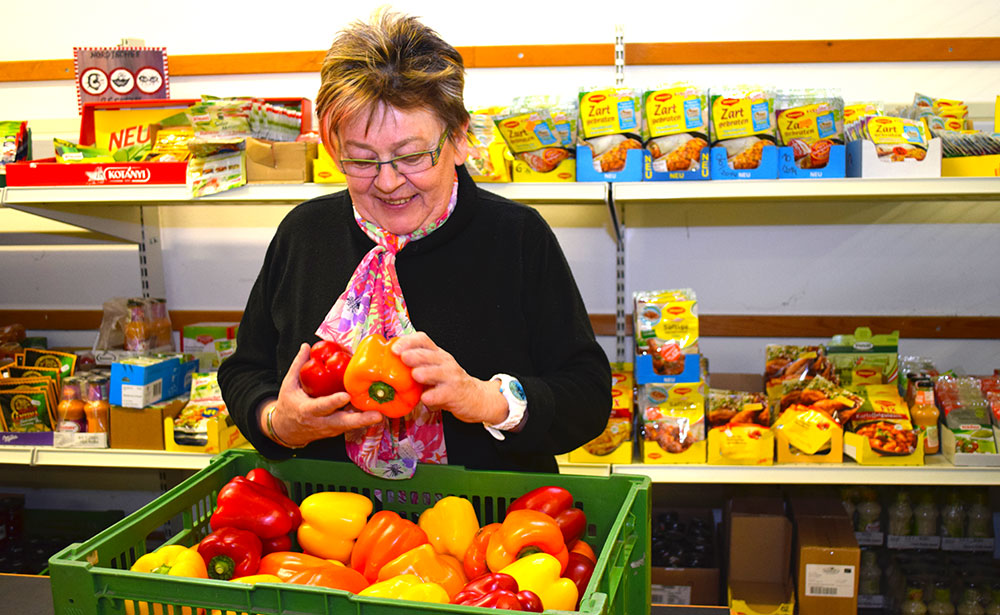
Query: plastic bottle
[136, 328]
[69, 410]
[979, 517]
[97, 408]
[970, 602]
[870, 577]
[953, 517]
[901, 515]
[925, 516]
[925, 416]
[869, 512]
[941, 605]
[914, 602]
[993, 608]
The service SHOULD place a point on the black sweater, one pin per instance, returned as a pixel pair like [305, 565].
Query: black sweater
[491, 286]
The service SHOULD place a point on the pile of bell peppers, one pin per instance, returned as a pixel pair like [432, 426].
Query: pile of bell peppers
[534, 559]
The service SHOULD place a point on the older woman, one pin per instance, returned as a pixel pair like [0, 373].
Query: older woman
[475, 287]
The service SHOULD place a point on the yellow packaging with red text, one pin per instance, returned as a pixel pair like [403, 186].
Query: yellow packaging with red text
[614, 445]
[673, 418]
[744, 444]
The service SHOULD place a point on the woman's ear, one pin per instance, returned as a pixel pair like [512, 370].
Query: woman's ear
[460, 139]
[328, 140]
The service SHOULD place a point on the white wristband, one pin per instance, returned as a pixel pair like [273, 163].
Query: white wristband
[517, 405]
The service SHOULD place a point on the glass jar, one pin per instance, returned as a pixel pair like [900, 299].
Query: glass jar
[941, 605]
[953, 517]
[925, 516]
[979, 517]
[869, 512]
[901, 515]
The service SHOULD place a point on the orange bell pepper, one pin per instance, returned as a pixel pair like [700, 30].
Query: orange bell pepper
[430, 566]
[385, 537]
[474, 561]
[584, 549]
[286, 564]
[378, 380]
[522, 533]
[451, 524]
[332, 576]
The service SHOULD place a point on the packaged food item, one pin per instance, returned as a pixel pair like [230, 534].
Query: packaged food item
[808, 431]
[912, 369]
[673, 417]
[820, 395]
[171, 145]
[216, 165]
[862, 358]
[488, 153]
[67, 151]
[925, 416]
[743, 122]
[13, 141]
[97, 407]
[810, 122]
[619, 427]
[796, 363]
[70, 416]
[675, 126]
[884, 420]
[962, 402]
[531, 134]
[610, 123]
[738, 407]
[960, 143]
[990, 385]
[740, 444]
[666, 331]
[895, 138]
[205, 404]
[856, 111]
[24, 409]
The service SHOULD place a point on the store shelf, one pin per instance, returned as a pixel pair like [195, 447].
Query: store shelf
[593, 193]
[102, 458]
[937, 471]
[950, 188]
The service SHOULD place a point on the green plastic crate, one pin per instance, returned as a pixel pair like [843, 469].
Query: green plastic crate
[93, 578]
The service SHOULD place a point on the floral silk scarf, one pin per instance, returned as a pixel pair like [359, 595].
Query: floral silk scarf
[373, 303]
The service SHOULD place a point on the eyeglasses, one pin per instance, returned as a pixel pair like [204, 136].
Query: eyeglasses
[416, 162]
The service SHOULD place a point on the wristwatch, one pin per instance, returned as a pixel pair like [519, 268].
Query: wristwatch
[517, 405]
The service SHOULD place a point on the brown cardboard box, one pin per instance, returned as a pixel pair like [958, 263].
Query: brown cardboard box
[279, 161]
[816, 505]
[697, 586]
[829, 561]
[759, 547]
[142, 428]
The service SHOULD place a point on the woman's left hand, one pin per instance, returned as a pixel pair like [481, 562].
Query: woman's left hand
[448, 386]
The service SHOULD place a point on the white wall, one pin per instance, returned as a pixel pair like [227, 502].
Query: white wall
[896, 259]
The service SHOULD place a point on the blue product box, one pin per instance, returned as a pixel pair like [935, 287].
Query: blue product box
[704, 171]
[635, 164]
[644, 373]
[767, 169]
[836, 166]
[139, 382]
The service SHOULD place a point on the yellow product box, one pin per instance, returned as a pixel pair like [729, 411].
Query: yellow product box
[996, 116]
[971, 166]
[673, 422]
[615, 444]
[881, 432]
[741, 444]
[808, 437]
[565, 171]
[222, 434]
[858, 448]
[324, 169]
[491, 163]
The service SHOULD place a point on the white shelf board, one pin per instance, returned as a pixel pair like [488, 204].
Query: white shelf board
[20, 455]
[937, 471]
[102, 458]
[275, 194]
[951, 188]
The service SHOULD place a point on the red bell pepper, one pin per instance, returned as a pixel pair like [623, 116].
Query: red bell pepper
[262, 477]
[583, 548]
[276, 544]
[230, 552]
[475, 556]
[579, 569]
[497, 590]
[323, 373]
[385, 537]
[247, 505]
[557, 503]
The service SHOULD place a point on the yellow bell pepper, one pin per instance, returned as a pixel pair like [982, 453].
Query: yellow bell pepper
[451, 524]
[331, 522]
[407, 587]
[539, 573]
[173, 560]
[429, 566]
[253, 579]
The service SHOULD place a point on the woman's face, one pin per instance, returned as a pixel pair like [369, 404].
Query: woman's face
[399, 203]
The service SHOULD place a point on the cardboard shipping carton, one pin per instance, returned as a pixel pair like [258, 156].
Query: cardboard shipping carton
[279, 161]
[828, 563]
[759, 551]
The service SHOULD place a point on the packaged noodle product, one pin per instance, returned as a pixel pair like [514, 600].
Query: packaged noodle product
[610, 123]
[737, 407]
[885, 420]
[666, 328]
[743, 122]
[810, 122]
[532, 136]
[675, 126]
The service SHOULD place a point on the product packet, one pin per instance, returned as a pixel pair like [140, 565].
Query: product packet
[819, 394]
[489, 156]
[856, 111]
[610, 123]
[885, 420]
[25, 409]
[204, 404]
[793, 363]
[65, 362]
[808, 431]
[810, 122]
[67, 151]
[216, 165]
[675, 126]
[743, 122]
[895, 138]
[531, 134]
[673, 415]
[738, 407]
[666, 328]
[619, 427]
[862, 358]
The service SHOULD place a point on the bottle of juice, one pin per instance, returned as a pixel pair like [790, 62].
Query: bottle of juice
[925, 416]
[925, 515]
[869, 512]
[901, 515]
[870, 578]
[914, 602]
[97, 408]
[953, 517]
[941, 605]
[993, 608]
[69, 410]
[136, 328]
[970, 602]
[980, 518]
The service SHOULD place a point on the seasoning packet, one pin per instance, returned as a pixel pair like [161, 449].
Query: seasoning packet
[885, 420]
[666, 328]
[810, 122]
[531, 134]
[895, 138]
[675, 126]
[739, 407]
[65, 362]
[610, 123]
[25, 409]
[673, 416]
[67, 151]
[743, 122]
[793, 363]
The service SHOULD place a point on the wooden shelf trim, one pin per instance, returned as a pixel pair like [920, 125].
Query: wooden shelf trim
[959, 49]
[711, 325]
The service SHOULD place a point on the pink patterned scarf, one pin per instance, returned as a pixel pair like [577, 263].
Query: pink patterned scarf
[373, 303]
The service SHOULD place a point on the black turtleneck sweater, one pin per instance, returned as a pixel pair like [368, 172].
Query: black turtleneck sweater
[491, 286]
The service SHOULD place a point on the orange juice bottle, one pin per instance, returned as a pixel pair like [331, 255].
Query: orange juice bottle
[97, 408]
[136, 329]
[69, 411]
[925, 416]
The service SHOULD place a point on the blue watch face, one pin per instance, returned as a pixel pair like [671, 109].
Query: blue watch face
[517, 390]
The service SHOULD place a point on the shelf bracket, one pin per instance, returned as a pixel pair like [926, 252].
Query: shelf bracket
[150, 253]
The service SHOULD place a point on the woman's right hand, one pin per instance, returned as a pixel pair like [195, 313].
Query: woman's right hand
[299, 419]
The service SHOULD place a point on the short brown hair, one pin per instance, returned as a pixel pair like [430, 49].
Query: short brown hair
[393, 60]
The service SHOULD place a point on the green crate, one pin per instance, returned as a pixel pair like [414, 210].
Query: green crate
[93, 578]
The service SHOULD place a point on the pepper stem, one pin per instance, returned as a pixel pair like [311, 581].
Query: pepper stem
[221, 567]
[381, 392]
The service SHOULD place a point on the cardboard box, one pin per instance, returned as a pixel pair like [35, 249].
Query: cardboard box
[789, 454]
[859, 449]
[142, 428]
[325, 170]
[948, 442]
[766, 169]
[836, 166]
[199, 339]
[635, 166]
[745, 444]
[222, 434]
[863, 161]
[565, 171]
[682, 586]
[139, 382]
[816, 506]
[759, 547]
[971, 166]
[271, 162]
[703, 172]
[828, 565]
